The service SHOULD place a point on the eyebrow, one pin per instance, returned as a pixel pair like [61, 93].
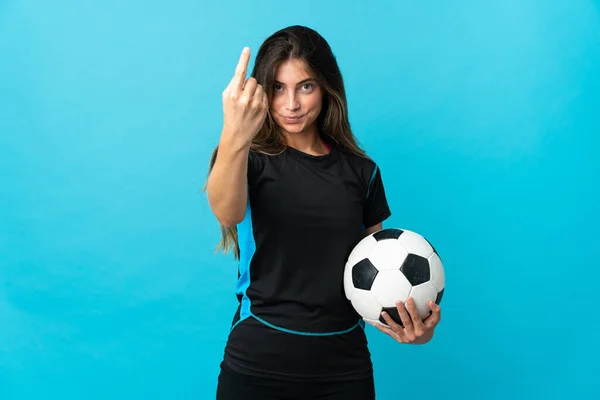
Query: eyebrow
[299, 83]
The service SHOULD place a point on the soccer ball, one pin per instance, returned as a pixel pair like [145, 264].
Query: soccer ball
[391, 265]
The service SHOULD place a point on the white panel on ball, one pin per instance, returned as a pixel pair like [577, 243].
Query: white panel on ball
[362, 250]
[365, 304]
[421, 294]
[388, 254]
[415, 244]
[436, 271]
[391, 286]
[348, 284]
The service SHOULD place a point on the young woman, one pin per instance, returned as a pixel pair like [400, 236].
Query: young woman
[294, 193]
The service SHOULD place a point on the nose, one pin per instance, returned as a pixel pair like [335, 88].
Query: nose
[292, 103]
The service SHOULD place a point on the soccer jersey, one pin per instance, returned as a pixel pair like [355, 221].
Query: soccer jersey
[304, 215]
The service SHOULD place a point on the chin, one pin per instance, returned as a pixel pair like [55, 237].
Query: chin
[293, 128]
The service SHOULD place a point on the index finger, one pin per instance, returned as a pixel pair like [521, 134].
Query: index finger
[242, 68]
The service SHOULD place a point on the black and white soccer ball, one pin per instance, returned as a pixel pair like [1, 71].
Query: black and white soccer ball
[391, 265]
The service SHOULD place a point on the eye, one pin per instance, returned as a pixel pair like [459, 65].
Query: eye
[277, 87]
[307, 86]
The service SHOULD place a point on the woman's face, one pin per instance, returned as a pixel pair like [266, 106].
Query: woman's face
[297, 98]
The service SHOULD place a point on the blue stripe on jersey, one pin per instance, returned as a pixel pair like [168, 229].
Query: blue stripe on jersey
[247, 247]
[371, 180]
[363, 227]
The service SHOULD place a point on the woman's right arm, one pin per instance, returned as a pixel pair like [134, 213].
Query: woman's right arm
[227, 186]
[244, 110]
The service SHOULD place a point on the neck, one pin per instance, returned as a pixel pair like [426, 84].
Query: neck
[309, 142]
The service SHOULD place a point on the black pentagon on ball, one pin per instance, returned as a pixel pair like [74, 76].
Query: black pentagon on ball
[363, 274]
[438, 299]
[416, 269]
[390, 233]
[394, 315]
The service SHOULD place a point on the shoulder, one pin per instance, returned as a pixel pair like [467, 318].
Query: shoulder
[356, 159]
[261, 162]
[258, 158]
[365, 166]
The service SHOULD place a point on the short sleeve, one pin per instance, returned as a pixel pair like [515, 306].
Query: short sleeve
[255, 164]
[376, 208]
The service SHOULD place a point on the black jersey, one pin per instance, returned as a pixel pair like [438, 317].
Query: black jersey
[304, 215]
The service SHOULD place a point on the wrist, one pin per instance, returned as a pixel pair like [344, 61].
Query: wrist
[234, 141]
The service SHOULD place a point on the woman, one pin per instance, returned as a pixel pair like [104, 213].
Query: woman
[294, 193]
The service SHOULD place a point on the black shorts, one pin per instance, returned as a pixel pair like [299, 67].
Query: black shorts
[235, 386]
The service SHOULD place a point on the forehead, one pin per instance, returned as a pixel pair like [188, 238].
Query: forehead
[293, 71]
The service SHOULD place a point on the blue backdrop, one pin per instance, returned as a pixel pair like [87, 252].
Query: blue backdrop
[484, 117]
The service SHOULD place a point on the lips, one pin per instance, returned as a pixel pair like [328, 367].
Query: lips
[292, 119]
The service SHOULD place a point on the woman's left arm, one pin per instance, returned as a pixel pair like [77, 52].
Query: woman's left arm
[372, 229]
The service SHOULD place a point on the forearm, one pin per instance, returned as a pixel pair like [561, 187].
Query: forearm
[227, 185]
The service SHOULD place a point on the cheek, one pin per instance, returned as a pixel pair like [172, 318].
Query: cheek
[275, 107]
[314, 105]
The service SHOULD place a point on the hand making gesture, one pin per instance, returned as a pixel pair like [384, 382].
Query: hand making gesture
[245, 103]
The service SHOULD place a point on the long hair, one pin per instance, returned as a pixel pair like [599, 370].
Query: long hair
[298, 42]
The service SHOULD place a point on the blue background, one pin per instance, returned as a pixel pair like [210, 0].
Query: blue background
[484, 117]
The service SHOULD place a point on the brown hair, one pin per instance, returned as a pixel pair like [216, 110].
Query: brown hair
[298, 42]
